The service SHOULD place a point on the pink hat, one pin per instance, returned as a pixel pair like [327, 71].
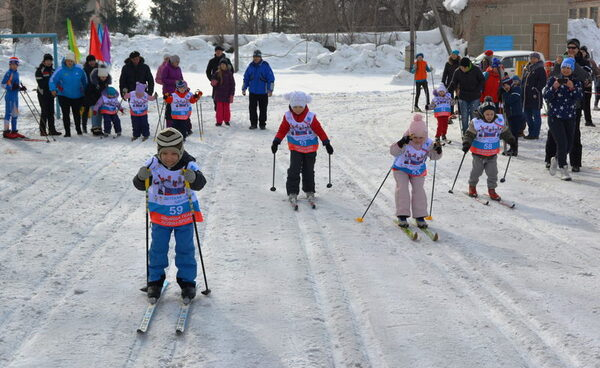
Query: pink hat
[417, 126]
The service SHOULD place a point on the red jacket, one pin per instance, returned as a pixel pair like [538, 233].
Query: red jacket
[492, 85]
[316, 127]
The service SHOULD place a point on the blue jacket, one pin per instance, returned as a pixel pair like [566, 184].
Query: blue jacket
[259, 77]
[562, 102]
[69, 82]
[14, 82]
[513, 105]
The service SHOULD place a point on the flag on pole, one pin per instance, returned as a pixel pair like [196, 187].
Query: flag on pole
[100, 32]
[106, 45]
[72, 41]
[95, 48]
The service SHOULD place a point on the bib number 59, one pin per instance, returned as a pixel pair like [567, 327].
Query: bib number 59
[175, 210]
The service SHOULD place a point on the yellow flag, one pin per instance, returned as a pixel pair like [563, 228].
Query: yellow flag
[72, 41]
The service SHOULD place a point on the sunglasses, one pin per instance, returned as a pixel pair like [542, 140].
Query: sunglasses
[572, 47]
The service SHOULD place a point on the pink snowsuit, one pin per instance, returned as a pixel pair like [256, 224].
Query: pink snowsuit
[409, 167]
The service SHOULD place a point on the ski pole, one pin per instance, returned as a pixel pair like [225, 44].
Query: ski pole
[273, 187]
[160, 111]
[329, 185]
[451, 191]
[147, 183]
[38, 113]
[32, 113]
[199, 124]
[361, 219]
[432, 191]
[189, 193]
[506, 170]
[201, 120]
[412, 109]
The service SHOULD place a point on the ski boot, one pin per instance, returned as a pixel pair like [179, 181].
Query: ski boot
[493, 195]
[472, 191]
[227, 123]
[16, 134]
[218, 124]
[154, 290]
[402, 221]
[445, 140]
[417, 109]
[144, 139]
[188, 289]
[421, 223]
[293, 198]
[134, 138]
[119, 134]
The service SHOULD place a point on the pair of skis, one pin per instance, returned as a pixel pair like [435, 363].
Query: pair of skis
[414, 235]
[486, 201]
[294, 203]
[182, 316]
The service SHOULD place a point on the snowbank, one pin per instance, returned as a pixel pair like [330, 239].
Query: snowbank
[587, 32]
[455, 5]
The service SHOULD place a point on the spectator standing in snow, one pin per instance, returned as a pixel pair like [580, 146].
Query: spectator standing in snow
[260, 80]
[493, 74]
[69, 83]
[223, 90]
[513, 110]
[100, 79]
[592, 69]
[214, 65]
[563, 95]
[90, 64]
[158, 75]
[135, 70]
[534, 81]
[45, 98]
[420, 70]
[487, 60]
[468, 81]
[449, 69]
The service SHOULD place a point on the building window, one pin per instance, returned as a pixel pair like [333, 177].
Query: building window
[583, 13]
[573, 13]
[594, 13]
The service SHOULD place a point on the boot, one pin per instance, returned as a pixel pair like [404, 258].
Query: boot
[514, 149]
[78, 129]
[421, 223]
[155, 288]
[472, 191]
[84, 127]
[67, 130]
[493, 195]
[227, 123]
[402, 221]
[8, 134]
[553, 166]
[16, 134]
[564, 173]
[188, 289]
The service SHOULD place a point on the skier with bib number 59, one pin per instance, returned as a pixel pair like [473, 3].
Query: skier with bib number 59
[302, 130]
[170, 211]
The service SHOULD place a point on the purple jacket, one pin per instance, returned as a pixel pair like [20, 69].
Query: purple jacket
[169, 76]
[224, 91]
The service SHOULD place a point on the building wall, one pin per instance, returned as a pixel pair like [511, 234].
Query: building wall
[513, 18]
[584, 9]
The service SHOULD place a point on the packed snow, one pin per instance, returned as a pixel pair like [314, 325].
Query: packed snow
[456, 6]
[313, 288]
[586, 31]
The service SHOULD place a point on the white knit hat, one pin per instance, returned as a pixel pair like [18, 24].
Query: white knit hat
[69, 55]
[298, 98]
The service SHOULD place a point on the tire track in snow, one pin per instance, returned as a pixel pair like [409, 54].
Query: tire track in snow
[510, 319]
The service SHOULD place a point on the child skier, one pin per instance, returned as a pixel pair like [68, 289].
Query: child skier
[181, 106]
[138, 108]
[420, 69]
[11, 99]
[224, 89]
[513, 111]
[109, 105]
[441, 104]
[411, 153]
[483, 139]
[166, 175]
[303, 130]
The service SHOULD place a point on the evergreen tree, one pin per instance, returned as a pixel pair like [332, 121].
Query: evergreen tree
[124, 18]
[174, 16]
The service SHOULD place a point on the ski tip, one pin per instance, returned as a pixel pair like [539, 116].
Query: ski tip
[140, 331]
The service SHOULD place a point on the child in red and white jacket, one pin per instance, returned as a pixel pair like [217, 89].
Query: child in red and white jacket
[181, 106]
[441, 104]
[302, 130]
[138, 108]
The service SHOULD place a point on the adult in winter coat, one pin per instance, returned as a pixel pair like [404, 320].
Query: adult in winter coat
[69, 83]
[45, 97]
[587, 94]
[135, 70]
[90, 64]
[100, 79]
[260, 80]
[223, 91]
[469, 81]
[158, 75]
[449, 69]
[213, 67]
[170, 74]
[579, 74]
[513, 111]
[487, 60]
[562, 95]
[534, 80]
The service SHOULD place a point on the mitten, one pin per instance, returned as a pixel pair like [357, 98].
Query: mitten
[329, 148]
[437, 146]
[144, 173]
[274, 146]
[466, 146]
[189, 175]
[403, 141]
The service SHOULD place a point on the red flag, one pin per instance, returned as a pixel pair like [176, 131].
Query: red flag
[95, 46]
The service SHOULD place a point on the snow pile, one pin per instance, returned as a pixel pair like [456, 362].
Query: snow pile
[587, 32]
[455, 5]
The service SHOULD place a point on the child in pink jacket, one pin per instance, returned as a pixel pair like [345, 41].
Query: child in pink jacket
[411, 152]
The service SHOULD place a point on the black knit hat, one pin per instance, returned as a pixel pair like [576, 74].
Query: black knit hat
[90, 58]
[134, 54]
[574, 41]
[48, 57]
[465, 62]
[219, 47]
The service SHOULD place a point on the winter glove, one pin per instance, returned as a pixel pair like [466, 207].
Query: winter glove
[274, 146]
[230, 99]
[243, 92]
[437, 146]
[404, 141]
[144, 173]
[466, 146]
[329, 148]
[23, 88]
[189, 175]
[15, 87]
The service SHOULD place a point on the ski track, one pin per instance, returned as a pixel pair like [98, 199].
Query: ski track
[337, 327]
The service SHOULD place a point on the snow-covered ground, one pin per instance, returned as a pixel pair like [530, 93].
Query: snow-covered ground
[502, 287]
